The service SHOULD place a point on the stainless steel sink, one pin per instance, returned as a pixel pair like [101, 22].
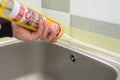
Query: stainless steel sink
[43, 61]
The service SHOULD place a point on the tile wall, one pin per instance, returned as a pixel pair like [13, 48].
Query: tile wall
[98, 16]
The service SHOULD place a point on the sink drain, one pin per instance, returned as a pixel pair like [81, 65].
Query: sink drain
[72, 58]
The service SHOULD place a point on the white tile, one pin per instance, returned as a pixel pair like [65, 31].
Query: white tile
[35, 4]
[104, 10]
[62, 17]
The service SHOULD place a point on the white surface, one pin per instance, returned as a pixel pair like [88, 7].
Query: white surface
[62, 17]
[105, 10]
[35, 4]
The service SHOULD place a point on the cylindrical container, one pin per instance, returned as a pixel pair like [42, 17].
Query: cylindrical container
[25, 16]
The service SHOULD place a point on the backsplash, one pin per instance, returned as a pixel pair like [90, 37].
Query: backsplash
[96, 26]
[103, 10]
[93, 20]
[59, 5]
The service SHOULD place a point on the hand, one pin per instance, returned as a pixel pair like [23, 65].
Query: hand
[41, 33]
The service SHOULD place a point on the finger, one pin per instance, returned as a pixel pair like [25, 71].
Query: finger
[45, 31]
[38, 33]
[50, 37]
[51, 41]
[40, 28]
[54, 41]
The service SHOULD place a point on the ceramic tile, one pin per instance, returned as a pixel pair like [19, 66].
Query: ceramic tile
[62, 17]
[103, 10]
[99, 27]
[59, 5]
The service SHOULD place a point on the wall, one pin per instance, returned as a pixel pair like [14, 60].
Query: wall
[99, 16]
[97, 20]
[35, 4]
[105, 10]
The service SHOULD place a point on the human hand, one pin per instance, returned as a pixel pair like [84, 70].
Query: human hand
[41, 33]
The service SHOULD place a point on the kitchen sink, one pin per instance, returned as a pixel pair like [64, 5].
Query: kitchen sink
[44, 61]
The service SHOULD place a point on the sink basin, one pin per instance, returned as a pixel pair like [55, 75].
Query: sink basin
[44, 61]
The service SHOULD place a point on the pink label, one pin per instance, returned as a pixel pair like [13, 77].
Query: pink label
[28, 15]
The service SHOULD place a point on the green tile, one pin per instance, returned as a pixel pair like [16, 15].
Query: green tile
[59, 5]
[96, 26]
[117, 32]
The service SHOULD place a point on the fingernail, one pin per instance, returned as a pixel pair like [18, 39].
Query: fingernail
[42, 18]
